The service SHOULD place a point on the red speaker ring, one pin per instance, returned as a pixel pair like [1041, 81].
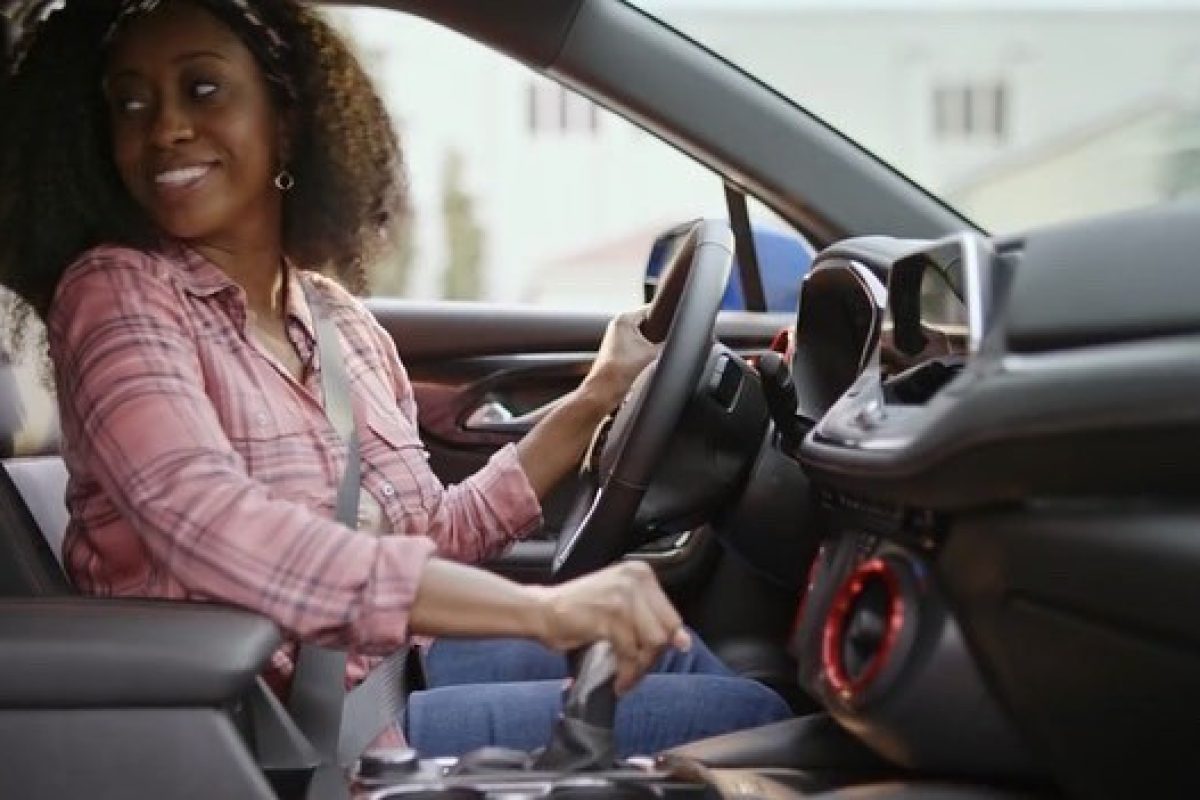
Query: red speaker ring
[839, 615]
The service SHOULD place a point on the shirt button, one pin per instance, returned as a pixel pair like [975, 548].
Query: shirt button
[261, 418]
[387, 489]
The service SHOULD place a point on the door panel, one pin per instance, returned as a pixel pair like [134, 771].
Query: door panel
[464, 357]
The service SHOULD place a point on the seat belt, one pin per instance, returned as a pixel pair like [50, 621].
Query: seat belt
[341, 725]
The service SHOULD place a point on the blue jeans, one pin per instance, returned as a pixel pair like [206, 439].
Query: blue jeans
[508, 692]
[450, 662]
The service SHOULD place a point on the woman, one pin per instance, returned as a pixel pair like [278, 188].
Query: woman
[172, 170]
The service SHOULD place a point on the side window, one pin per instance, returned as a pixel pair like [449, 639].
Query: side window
[522, 190]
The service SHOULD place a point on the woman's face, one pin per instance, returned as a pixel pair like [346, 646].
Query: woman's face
[196, 137]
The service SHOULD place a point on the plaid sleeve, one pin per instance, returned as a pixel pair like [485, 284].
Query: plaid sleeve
[477, 518]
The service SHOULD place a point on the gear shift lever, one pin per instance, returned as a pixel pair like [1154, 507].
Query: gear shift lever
[583, 736]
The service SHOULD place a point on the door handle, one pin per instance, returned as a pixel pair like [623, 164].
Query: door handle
[495, 417]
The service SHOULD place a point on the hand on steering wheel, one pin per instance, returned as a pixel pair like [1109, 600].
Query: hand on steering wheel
[624, 354]
[682, 316]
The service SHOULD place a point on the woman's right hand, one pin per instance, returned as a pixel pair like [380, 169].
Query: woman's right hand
[622, 604]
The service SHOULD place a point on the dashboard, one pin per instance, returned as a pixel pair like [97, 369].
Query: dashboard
[997, 409]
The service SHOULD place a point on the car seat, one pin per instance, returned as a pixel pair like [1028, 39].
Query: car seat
[117, 698]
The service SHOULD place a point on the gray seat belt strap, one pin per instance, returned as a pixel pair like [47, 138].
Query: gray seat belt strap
[372, 705]
[340, 725]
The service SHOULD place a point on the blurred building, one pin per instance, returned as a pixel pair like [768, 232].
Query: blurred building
[1016, 115]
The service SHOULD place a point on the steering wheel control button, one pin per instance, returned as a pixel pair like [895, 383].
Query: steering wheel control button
[725, 382]
[869, 630]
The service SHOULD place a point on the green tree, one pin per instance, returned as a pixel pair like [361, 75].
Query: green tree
[463, 275]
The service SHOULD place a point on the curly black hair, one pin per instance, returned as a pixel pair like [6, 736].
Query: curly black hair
[60, 193]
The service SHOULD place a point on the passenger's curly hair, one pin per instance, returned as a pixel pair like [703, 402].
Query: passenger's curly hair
[59, 189]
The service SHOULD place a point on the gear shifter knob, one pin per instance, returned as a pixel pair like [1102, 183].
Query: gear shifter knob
[583, 736]
[592, 697]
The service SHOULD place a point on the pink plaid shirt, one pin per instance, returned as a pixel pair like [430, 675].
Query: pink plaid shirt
[201, 470]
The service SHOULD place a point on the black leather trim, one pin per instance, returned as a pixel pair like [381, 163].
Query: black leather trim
[126, 754]
[89, 652]
[1119, 278]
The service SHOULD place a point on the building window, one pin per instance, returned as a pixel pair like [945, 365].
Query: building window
[972, 112]
[552, 108]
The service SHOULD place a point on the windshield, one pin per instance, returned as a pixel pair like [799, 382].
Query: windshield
[1017, 113]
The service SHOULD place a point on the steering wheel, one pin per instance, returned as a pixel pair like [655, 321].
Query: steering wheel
[682, 316]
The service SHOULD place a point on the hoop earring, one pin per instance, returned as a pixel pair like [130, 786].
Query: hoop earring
[284, 180]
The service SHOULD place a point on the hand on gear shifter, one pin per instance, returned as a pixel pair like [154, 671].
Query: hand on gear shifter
[583, 736]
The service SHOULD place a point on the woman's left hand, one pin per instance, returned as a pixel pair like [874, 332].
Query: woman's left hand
[623, 355]
[555, 445]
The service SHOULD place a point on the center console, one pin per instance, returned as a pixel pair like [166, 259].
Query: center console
[805, 757]
[578, 762]
[802, 757]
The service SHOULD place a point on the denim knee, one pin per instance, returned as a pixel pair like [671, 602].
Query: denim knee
[665, 711]
[764, 704]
